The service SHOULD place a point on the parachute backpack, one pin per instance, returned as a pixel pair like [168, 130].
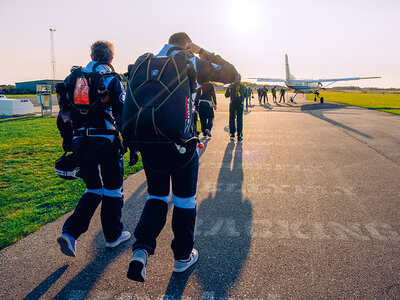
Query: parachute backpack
[236, 92]
[158, 106]
[84, 88]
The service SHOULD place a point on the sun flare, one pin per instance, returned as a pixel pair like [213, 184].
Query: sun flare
[244, 15]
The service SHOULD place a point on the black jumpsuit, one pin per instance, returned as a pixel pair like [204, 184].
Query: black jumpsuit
[204, 102]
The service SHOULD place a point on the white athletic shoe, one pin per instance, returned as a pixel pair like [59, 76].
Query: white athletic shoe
[67, 244]
[182, 265]
[125, 235]
[137, 266]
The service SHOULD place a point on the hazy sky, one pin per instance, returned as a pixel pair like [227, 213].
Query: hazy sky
[323, 39]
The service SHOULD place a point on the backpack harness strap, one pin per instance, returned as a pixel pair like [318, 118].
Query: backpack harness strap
[102, 63]
[93, 132]
[174, 48]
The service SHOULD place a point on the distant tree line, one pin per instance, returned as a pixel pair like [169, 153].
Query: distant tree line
[359, 88]
[363, 90]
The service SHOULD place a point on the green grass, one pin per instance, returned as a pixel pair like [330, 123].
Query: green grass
[31, 194]
[388, 103]
[23, 96]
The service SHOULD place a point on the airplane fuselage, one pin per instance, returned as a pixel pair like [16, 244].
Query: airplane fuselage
[304, 87]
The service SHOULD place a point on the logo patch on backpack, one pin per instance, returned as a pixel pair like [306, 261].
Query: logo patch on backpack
[81, 93]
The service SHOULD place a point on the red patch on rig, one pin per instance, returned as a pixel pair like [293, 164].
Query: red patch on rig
[81, 93]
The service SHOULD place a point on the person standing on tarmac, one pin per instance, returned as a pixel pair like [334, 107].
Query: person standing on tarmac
[246, 97]
[250, 92]
[206, 103]
[94, 138]
[259, 95]
[282, 92]
[165, 166]
[273, 91]
[236, 92]
[264, 94]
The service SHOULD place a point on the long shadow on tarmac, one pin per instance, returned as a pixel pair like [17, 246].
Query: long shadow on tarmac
[43, 287]
[205, 142]
[317, 110]
[87, 278]
[222, 249]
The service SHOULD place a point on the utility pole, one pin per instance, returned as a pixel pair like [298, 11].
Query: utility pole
[52, 51]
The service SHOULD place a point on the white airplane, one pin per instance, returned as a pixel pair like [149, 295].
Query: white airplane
[306, 86]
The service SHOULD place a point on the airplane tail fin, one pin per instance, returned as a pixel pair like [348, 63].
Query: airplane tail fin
[287, 70]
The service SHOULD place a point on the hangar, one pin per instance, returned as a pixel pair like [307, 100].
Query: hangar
[30, 86]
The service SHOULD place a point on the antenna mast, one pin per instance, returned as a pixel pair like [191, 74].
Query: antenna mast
[52, 51]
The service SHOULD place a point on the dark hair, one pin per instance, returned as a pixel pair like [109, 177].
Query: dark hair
[102, 51]
[179, 39]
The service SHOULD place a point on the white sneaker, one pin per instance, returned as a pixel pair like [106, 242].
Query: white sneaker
[182, 265]
[67, 244]
[125, 235]
[137, 266]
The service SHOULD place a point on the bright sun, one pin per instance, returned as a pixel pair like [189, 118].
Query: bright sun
[244, 15]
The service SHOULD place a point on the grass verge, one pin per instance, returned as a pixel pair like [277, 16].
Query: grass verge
[24, 96]
[31, 194]
[388, 102]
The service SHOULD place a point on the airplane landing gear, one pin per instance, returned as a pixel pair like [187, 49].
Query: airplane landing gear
[321, 99]
[291, 99]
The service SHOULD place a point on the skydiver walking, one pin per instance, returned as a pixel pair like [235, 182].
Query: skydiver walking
[259, 94]
[273, 91]
[282, 92]
[264, 94]
[250, 95]
[206, 103]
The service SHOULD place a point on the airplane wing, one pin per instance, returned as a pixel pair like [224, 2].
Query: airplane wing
[336, 79]
[268, 79]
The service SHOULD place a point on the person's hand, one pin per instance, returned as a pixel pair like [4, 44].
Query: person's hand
[133, 157]
[67, 145]
[215, 107]
[194, 48]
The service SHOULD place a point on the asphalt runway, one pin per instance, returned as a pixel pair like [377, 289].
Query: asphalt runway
[307, 207]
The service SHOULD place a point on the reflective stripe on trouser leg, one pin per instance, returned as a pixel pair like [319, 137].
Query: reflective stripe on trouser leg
[189, 202]
[166, 199]
[95, 191]
[113, 193]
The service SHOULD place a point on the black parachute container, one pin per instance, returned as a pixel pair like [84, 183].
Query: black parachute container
[158, 106]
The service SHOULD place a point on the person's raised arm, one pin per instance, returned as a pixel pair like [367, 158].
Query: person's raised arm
[212, 67]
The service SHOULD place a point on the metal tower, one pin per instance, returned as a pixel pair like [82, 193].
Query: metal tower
[52, 51]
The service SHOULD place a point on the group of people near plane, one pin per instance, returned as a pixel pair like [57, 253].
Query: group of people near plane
[263, 95]
[240, 98]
